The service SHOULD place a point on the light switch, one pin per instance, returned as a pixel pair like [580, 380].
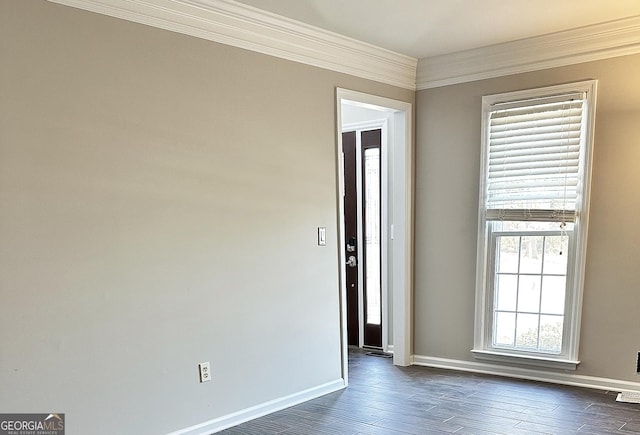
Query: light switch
[322, 236]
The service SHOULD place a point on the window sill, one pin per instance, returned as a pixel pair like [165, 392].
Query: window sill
[531, 360]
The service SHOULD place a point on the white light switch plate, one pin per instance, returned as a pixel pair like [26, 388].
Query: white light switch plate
[322, 236]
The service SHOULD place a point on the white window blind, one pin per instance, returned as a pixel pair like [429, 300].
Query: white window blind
[534, 158]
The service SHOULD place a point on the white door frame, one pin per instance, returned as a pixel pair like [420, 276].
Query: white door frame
[400, 225]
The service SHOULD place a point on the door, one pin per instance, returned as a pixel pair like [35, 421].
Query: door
[351, 236]
[362, 216]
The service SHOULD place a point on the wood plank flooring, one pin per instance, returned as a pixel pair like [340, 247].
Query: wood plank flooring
[383, 399]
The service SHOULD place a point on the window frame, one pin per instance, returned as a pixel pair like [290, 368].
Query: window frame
[485, 268]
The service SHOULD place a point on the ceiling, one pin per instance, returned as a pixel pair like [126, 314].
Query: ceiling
[426, 28]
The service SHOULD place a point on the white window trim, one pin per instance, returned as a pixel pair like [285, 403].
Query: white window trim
[482, 348]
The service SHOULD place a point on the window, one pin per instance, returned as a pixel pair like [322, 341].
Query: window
[534, 202]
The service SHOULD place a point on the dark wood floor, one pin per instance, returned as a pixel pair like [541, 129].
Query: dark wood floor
[384, 399]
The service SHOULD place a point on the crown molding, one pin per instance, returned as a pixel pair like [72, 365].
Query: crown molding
[584, 44]
[232, 23]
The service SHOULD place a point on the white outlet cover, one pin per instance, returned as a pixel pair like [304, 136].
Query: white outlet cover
[205, 371]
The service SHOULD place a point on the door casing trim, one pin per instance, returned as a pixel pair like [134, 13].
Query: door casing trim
[400, 226]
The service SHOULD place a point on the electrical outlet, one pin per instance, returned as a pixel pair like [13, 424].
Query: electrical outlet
[205, 371]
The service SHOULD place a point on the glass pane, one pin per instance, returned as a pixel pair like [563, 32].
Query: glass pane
[371, 186]
[531, 254]
[553, 291]
[527, 331]
[507, 292]
[505, 324]
[508, 248]
[555, 255]
[551, 333]
[529, 294]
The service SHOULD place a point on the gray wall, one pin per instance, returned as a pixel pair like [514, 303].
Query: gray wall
[448, 165]
[159, 198]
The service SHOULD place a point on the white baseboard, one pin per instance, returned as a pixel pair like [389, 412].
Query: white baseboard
[227, 421]
[530, 374]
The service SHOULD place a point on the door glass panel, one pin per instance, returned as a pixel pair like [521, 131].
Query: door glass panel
[371, 188]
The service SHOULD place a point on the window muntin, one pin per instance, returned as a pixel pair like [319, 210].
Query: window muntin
[534, 193]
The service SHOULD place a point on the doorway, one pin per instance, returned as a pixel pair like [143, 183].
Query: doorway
[396, 223]
[364, 203]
